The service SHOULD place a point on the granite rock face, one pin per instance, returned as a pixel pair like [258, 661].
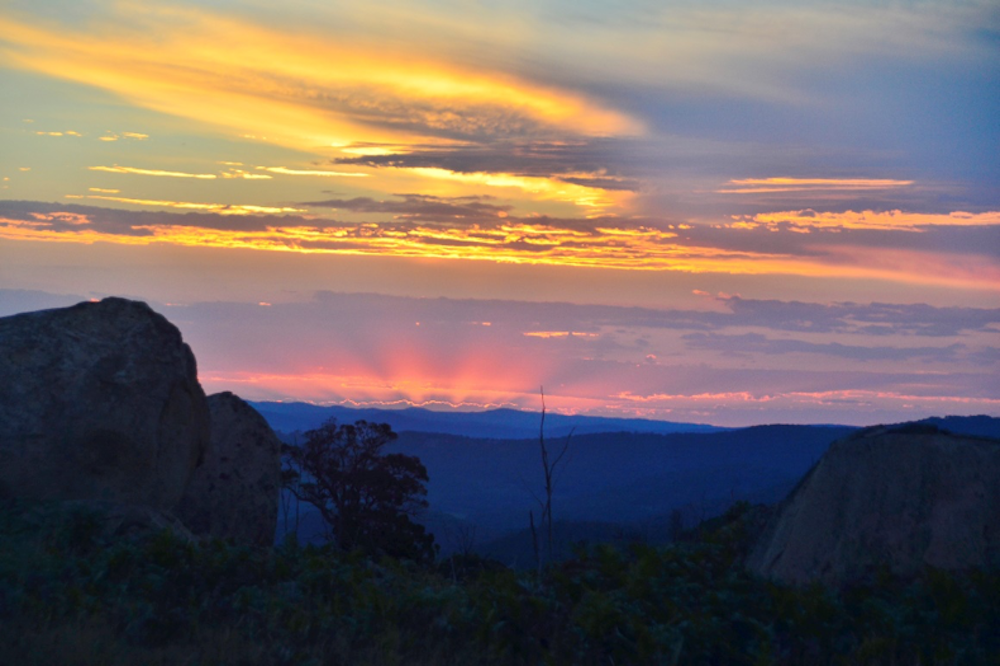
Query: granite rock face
[233, 494]
[900, 499]
[99, 401]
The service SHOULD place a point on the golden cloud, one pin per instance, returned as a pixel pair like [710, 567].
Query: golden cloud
[559, 334]
[221, 209]
[153, 172]
[782, 184]
[314, 172]
[302, 91]
[517, 241]
[892, 219]
[240, 173]
[135, 136]
[539, 187]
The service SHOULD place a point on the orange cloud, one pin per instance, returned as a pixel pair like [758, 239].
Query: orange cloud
[221, 209]
[153, 172]
[314, 172]
[868, 219]
[302, 91]
[540, 188]
[559, 334]
[759, 185]
[240, 173]
[523, 242]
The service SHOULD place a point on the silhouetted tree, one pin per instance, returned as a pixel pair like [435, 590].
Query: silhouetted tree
[549, 471]
[366, 497]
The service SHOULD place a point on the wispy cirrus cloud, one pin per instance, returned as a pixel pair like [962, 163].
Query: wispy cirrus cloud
[562, 157]
[582, 190]
[421, 207]
[218, 208]
[811, 185]
[869, 219]
[515, 241]
[115, 136]
[206, 66]
[469, 229]
[578, 171]
[69, 133]
[315, 172]
[246, 175]
[153, 172]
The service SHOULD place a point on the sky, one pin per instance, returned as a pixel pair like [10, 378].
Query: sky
[722, 212]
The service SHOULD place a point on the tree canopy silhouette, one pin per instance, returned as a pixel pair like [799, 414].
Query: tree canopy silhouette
[366, 497]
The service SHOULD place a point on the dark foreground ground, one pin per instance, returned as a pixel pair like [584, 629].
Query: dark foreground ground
[69, 594]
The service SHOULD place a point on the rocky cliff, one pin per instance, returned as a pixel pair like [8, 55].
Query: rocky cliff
[895, 499]
[233, 494]
[100, 403]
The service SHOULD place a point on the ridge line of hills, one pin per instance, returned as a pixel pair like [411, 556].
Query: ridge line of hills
[622, 475]
[502, 423]
[505, 423]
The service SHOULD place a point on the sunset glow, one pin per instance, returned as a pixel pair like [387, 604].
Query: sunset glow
[641, 248]
[713, 213]
[208, 67]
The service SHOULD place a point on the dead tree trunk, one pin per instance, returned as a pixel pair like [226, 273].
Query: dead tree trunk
[549, 471]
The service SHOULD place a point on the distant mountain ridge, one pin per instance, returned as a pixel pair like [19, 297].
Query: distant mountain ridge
[485, 486]
[289, 417]
[976, 426]
[629, 479]
[491, 424]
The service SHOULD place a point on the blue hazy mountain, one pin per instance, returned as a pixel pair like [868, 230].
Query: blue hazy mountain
[624, 478]
[976, 426]
[492, 424]
[486, 487]
[486, 474]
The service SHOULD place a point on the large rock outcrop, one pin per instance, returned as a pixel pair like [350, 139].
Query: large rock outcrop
[895, 498]
[234, 493]
[99, 401]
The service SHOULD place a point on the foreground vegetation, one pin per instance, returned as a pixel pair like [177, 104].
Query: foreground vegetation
[69, 594]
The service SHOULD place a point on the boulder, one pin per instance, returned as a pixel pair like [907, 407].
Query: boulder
[233, 494]
[888, 499]
[99, 401]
